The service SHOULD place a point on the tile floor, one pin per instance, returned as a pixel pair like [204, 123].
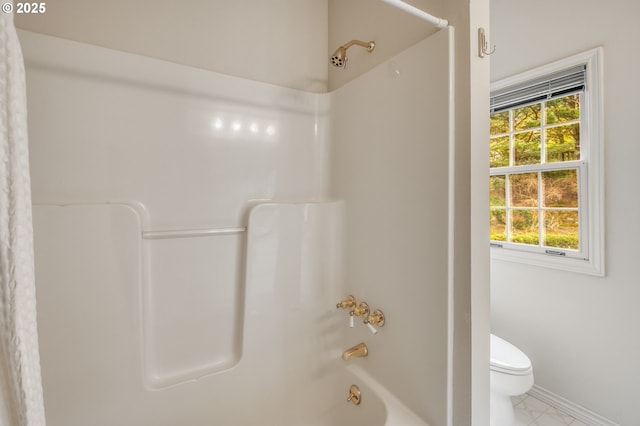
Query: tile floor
[530, 411]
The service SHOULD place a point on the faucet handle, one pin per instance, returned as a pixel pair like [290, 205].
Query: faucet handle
[362, 310]
[377, 319]
[347, 303]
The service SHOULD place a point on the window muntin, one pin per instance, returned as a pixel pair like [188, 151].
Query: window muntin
[535, 175]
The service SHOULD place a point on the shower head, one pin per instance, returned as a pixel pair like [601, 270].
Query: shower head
[339, 57]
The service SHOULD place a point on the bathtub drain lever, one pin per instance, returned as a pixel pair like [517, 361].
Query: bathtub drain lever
[354, 395]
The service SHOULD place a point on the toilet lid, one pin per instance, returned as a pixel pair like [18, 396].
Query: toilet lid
[506, 357]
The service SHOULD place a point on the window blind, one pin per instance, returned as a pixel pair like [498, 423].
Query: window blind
[561, 83]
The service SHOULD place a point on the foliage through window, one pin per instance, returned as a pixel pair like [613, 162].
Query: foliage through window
[542, 145]
[542, 208]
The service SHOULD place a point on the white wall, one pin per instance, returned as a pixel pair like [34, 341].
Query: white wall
[390, 163]
[581, 332]
[475, 100]
[162, 134]
[123, 145]
[282, 42]
[350, 19]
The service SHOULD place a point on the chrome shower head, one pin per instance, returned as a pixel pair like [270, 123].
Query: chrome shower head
[339, 57]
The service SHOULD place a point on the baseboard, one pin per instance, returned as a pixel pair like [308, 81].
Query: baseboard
[571, 408]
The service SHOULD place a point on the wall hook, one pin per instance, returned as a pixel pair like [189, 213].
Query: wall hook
[483, 45]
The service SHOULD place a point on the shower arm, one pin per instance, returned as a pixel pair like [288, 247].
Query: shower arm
[368, 45]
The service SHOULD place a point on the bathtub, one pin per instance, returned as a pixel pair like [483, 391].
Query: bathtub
[378, 406]
[326, 404]
[323, 402]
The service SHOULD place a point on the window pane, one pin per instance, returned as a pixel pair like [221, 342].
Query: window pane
[527, 148]
[524, 189]
[563, 143]
[499, 151]
[526, 117]
[561, 229]
[497, 224]
[524, 227]
[497, 194]
[560, 188]
[499, 123]
[563, 109]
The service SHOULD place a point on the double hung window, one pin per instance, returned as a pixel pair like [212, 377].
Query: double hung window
[545, 166]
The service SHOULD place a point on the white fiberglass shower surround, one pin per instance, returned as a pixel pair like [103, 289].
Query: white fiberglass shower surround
[194, 232]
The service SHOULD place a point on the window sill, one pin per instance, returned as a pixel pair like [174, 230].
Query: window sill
[581, 266]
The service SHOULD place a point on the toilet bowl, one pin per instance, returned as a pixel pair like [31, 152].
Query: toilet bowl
[511, 374]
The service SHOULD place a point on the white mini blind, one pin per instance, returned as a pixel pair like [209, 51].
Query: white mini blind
[561, 83]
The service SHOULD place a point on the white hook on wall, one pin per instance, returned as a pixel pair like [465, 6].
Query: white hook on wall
[483, 45]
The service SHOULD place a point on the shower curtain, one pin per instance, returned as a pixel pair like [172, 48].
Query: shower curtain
[21, 402]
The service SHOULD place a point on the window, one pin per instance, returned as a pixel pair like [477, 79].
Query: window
[546, 201]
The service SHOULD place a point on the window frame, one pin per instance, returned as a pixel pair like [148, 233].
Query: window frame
[590, 167]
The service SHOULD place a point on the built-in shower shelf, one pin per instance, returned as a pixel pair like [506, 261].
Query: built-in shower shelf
[192, 303]
[184, 285]
[190, 233]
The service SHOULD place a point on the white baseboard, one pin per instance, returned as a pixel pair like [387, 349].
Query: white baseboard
[571, 408]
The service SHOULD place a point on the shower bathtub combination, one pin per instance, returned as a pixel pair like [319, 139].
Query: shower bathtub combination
[288, 371]
[194, 232]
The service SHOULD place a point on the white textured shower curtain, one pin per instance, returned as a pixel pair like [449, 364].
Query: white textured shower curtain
[21, 402]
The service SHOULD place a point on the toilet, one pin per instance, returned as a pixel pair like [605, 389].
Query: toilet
[511, 374]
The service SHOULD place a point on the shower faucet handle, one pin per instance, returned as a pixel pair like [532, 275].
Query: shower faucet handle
[375, 319]
[348, 302]
[362, 310]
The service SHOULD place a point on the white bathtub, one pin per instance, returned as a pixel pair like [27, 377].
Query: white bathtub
[324, 403]
[378, 406]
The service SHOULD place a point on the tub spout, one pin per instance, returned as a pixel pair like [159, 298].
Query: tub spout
[358, 351]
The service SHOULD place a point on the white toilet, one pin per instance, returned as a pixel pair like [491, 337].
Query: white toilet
[511, 374]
